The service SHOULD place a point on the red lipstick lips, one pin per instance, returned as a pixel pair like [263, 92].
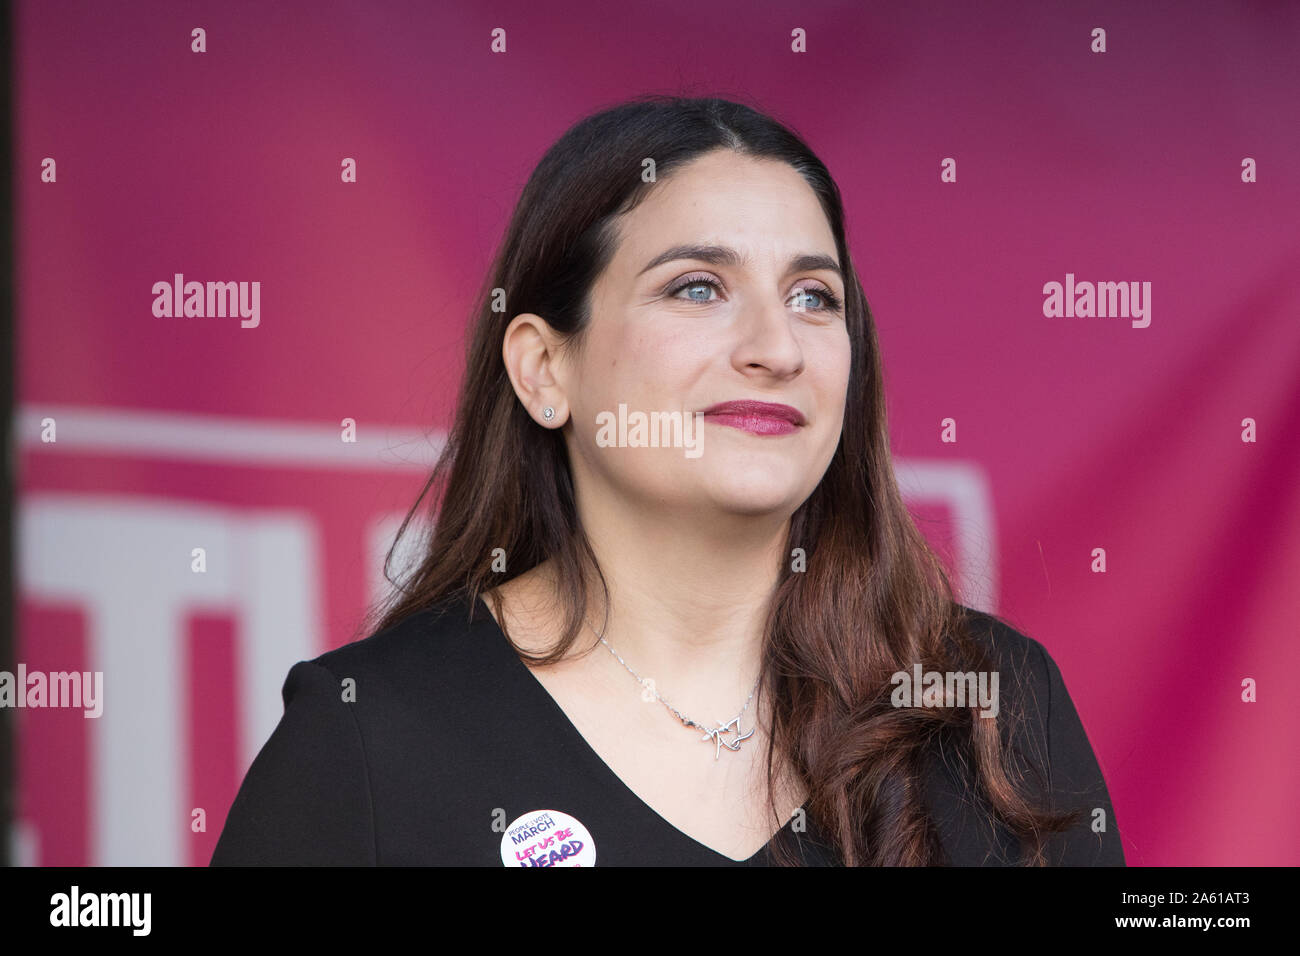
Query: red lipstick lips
[757, 418]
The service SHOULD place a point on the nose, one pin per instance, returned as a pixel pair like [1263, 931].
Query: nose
[767, 340]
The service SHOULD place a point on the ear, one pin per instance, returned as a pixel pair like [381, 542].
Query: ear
[531, 353]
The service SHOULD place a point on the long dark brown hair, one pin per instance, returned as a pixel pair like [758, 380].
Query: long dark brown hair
[873, 600]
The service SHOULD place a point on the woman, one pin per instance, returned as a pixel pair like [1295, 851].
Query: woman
[682, 643]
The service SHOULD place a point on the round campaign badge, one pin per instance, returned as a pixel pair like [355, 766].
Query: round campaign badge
[547, 838]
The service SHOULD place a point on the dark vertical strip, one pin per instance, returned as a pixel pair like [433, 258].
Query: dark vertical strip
[9, 462]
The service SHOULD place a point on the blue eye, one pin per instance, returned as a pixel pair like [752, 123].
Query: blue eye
[831, 300]
[816, 294]
[691, 283]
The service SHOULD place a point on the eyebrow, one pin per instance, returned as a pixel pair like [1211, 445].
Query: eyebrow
[726, 256]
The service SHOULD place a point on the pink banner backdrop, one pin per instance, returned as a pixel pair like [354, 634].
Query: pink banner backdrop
[1125, 488]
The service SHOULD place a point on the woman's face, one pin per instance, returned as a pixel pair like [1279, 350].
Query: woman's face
[683, 332]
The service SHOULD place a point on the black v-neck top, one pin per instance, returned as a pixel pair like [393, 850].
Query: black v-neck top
[432, 743]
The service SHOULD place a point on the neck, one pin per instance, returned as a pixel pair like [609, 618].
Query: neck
[688, 602]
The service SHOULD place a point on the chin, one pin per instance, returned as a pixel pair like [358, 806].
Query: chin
[750, 510]
[754, 498]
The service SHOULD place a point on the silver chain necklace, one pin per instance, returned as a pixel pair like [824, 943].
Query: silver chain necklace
[715, 733]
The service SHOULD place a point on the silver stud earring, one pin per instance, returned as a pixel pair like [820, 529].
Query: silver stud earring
[548, 413]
